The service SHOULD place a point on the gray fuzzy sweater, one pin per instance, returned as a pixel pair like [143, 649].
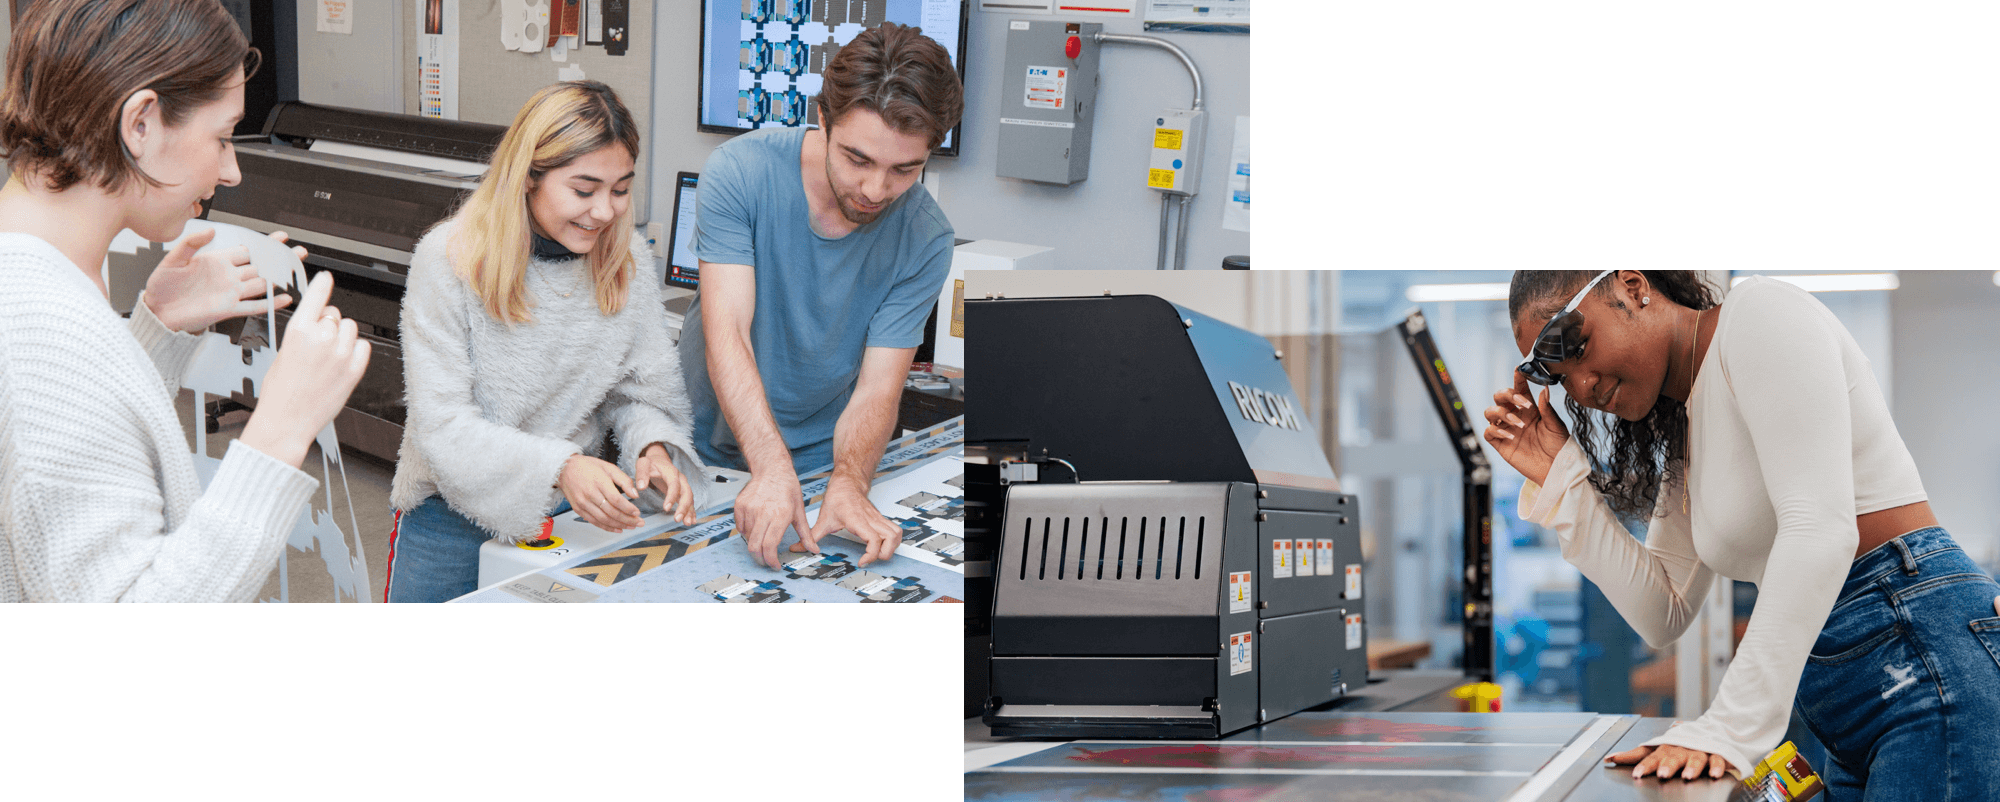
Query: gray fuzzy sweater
[494, 411]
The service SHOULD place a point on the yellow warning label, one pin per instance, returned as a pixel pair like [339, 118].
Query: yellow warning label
[1160, 179]
[1167, 138]
[958, 309]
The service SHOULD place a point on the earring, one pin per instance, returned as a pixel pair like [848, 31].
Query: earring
[1643, 300]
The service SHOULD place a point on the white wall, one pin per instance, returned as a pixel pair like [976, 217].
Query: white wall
[361, 70]
[1269, 303]
[1946, 344]
[1111, 220]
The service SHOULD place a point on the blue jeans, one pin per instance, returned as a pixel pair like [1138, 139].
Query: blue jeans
[434, 552]
[1903, 685]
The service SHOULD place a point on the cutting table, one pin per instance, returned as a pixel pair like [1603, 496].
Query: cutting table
[1352, 750]
[919, 485]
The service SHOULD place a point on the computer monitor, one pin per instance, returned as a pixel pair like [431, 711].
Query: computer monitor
[683, 269]
[761, 59]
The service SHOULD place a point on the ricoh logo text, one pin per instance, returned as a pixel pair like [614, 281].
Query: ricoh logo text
[1262, 407]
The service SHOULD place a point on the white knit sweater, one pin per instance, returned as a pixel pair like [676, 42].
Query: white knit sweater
[98, 495]
[494, 411]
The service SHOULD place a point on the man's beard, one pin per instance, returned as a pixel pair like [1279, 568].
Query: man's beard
[852, 215]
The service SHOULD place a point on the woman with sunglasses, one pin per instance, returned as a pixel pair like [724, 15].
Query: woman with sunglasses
[1753, 440]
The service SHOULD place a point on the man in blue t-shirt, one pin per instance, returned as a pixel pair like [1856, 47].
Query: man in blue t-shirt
[820, 260]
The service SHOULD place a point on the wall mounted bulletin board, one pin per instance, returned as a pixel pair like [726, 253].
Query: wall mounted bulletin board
[494, 82]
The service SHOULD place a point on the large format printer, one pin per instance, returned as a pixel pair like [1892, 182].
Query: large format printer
[357, 189]
[1170, 554]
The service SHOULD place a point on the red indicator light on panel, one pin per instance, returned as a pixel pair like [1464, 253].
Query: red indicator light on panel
[1072, 47]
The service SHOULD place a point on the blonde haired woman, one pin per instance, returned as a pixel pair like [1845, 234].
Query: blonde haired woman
[531, 329]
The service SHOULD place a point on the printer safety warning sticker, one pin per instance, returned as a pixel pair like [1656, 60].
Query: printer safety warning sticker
[1353, 581]
[1323, 558]
[1354, 631]
[1281, 559]
[1239, 592]
[1239, 653]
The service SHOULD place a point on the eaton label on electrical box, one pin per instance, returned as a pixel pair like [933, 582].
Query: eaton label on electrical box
[1048, 87]
[1354, 581]
[1354, 631]
[1239, 591]
[1160, 179]
[1239, 653]
[1167, 138]
[1281, 559]
[1305, 558]
[1323, 557]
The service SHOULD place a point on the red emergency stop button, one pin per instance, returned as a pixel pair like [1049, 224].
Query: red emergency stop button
[1073, 47]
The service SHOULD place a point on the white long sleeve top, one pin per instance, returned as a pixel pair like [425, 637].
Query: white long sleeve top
[1789, 439]
[98, 495]
[494, 410]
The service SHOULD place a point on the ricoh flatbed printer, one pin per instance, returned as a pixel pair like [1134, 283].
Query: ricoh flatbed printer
[1171, 554]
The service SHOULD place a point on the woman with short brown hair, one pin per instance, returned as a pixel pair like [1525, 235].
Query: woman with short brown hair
[117, 115]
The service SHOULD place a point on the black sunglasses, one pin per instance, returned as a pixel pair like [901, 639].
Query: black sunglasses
[1561, 339]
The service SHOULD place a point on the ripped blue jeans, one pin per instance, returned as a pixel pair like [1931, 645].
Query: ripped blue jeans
[1903, 685]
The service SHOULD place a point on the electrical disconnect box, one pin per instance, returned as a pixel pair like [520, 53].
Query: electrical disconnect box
[1176, 162]
[1048, 93]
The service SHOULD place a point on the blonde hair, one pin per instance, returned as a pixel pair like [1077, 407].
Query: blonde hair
[493, 242]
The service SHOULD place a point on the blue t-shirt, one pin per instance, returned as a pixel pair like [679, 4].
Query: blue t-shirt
[820, 301]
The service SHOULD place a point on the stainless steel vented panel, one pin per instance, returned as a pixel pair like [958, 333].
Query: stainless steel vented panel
[1091, 544]
[1165, 548]
[1116, 559]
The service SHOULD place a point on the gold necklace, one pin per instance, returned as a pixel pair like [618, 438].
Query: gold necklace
[551, 284]
[1686, 479]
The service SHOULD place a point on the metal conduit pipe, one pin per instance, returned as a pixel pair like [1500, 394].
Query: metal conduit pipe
[1167, 202]
[1180, 235]
[1163, 44]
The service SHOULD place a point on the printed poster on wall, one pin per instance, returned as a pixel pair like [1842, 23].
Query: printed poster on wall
[336, 16]
[1217, 16]
[1236, 197]
[437, 58]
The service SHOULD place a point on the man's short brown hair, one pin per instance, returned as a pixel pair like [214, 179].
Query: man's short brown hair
[897, 72]
[71, 64]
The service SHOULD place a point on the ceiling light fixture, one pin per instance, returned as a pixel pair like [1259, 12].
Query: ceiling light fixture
[1835, 282]
[1438, 293]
